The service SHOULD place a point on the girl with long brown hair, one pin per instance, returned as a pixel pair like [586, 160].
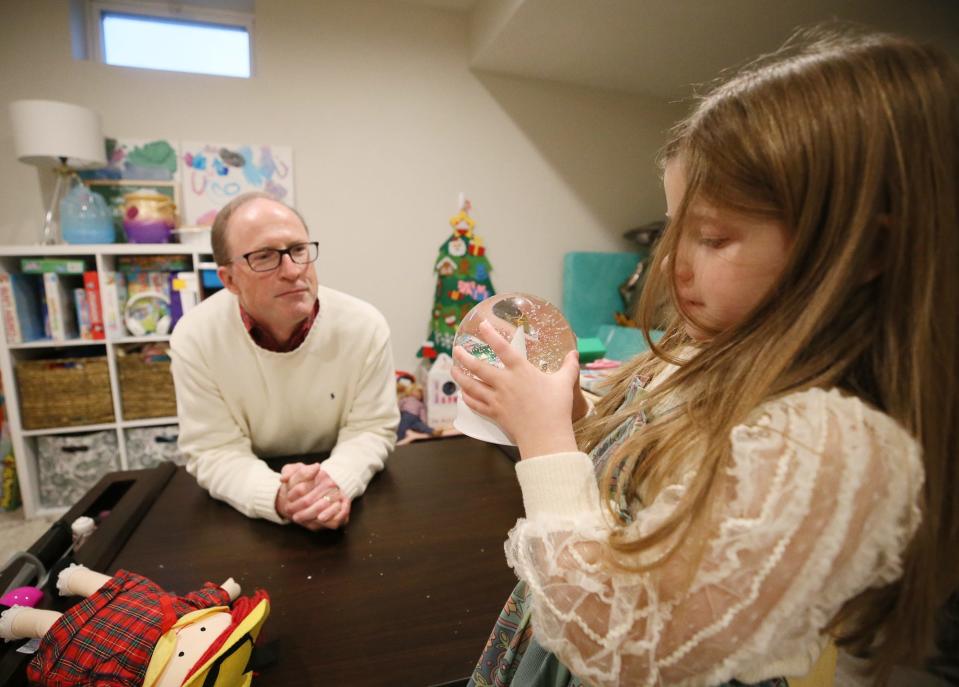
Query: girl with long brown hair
[777, 475]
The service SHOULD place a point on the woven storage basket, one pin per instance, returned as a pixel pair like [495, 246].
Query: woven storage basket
[146, 388]
[65, 392]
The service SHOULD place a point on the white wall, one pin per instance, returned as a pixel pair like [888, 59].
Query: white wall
[388, 124]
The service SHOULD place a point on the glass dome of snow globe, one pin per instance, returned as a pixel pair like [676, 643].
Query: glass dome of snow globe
[533, 326]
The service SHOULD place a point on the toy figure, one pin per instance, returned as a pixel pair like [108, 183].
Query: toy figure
[130, 632]
[412, 412]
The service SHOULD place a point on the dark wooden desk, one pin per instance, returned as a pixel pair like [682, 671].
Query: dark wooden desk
[406, 595]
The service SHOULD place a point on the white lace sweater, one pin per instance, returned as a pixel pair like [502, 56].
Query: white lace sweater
[821, 501]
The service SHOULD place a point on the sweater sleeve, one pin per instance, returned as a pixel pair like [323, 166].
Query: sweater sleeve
[369, 433]
[218, 453]
[818, 504]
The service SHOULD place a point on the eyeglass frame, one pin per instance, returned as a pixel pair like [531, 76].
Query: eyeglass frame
[288, 251]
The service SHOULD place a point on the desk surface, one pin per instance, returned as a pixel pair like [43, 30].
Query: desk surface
[406, 594]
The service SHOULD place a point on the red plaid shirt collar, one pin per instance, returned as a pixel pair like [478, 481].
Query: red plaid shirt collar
[262, 338]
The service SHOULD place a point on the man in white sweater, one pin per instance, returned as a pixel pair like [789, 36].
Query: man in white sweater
[276, 365]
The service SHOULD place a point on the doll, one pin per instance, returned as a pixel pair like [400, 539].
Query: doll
[412, 412]
[128, 631]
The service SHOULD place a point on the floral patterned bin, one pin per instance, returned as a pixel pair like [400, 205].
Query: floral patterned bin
[70, 464]
[150, 446]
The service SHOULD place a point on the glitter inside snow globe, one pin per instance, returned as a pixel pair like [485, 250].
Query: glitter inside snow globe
[533, 326]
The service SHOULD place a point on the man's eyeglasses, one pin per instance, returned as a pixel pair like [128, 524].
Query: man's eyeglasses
[267, 259]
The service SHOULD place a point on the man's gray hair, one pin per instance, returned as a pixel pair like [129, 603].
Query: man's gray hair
[218, 237]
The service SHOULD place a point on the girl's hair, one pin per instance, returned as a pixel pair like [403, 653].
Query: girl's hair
[853, 143]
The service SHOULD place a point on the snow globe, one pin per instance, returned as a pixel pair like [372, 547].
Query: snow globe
[534, 327]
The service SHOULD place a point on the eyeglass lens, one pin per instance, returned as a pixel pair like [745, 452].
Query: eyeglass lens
[270, 258]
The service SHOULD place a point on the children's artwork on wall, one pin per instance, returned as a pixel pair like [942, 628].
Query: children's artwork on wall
[214, 173]
[140, 159]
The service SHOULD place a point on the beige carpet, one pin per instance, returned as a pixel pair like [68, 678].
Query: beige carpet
[17, 534]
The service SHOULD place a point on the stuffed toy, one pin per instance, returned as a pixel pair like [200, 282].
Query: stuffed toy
[412, 412]
[129, 632]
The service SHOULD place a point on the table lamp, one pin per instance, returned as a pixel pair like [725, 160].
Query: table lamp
[59, 136]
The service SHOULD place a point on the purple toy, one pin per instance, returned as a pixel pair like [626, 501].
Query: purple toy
[148, 217]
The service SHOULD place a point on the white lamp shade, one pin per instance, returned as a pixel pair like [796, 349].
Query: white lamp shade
[45, 131]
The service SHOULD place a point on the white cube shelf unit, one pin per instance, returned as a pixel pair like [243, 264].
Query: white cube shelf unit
[103, 258]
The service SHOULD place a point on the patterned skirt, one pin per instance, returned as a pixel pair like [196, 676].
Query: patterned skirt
[513, 657]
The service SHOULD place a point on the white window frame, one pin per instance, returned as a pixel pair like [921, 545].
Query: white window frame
[161, 10]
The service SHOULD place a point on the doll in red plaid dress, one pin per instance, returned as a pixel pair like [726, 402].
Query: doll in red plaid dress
[129, 631]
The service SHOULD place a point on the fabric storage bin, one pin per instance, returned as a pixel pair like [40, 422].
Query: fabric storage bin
[150, 446]
[64, 392]
[146, 387]
[68, 465]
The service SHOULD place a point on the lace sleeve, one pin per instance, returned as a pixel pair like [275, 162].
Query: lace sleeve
[820, 501]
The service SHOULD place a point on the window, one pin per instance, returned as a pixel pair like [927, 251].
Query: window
[184, 39]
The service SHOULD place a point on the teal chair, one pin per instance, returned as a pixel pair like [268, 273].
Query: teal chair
[622, 343]
[591, 300]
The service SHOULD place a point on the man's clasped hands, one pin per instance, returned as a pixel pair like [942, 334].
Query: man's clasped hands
[309, 497]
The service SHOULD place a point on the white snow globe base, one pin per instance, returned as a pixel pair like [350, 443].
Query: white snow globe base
[472, 424]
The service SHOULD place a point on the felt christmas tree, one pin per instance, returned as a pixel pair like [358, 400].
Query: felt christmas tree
[462, 280]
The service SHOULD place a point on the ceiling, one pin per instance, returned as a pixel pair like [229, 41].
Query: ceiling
[660, 47]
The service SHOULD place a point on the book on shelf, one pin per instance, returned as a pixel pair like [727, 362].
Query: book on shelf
[61, 310]
[20, 309]
[44, 314]
[184, 294]
[113, 299]
[8, 311]
[55, 265]
[91, 284]
[153, 263]
[83, 312]
[176, 302]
